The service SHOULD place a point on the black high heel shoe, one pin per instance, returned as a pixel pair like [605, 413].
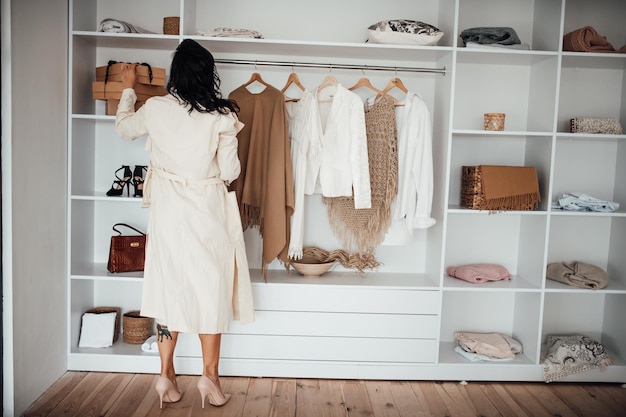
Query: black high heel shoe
[138, 176]
[119, 184]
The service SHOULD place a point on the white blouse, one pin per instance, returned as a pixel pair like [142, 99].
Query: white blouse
[412, 207]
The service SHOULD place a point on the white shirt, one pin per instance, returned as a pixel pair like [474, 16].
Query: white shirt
[306, 147]
[412, 206]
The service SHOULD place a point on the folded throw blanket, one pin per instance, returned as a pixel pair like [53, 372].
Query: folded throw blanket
[493, 345]
[478, 273]
[578, 274]
[567, 355]
[509, 187]
[119, 26]
[489, 35]
[223, 32]
[587, 39]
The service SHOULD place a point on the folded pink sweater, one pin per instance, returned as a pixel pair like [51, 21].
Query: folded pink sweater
[478, 273]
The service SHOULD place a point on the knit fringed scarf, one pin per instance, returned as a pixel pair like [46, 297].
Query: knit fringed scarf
[365, 229]
[509, 188]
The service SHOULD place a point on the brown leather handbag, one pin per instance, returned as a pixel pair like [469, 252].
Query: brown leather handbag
[127, 253]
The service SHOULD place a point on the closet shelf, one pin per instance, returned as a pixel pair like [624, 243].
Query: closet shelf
[222, 45]
[480, 132]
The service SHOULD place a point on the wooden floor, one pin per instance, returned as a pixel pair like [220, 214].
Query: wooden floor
[87, 394]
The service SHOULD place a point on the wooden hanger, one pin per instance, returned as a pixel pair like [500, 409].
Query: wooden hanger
[395, 82]
[327, 82]
[365, 82]
[256, 77]
[293, 79]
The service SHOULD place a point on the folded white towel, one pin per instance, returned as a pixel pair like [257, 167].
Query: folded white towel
[150, 345]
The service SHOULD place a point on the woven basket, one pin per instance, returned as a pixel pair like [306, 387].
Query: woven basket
[116, 310]
[494, 121]
[136, 328]
[471, 188]
[171, 25]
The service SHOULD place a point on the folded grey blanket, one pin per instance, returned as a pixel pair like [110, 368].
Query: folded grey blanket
[578, 274]
[490, 35]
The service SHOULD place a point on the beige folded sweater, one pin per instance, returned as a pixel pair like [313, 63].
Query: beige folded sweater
[578, 274]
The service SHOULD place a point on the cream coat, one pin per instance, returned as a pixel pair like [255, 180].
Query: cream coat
[196, 276]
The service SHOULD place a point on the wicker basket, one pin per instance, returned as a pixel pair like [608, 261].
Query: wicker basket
[494, 121]
[136, 328]
[171, 25]
[116, 310]
[471, 188]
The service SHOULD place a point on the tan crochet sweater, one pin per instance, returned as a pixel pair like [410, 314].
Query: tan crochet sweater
[365, 228]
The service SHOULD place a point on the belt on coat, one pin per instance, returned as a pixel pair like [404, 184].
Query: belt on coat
[160, 172]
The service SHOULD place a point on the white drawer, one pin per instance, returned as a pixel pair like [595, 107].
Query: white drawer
[262, 347]
[344, 299]
[340, 324]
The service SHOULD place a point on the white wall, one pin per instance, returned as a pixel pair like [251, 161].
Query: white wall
[34, 202]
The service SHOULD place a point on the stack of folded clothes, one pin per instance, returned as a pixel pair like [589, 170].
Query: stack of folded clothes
[587, 39]
[578, 274]
[576, 201]
[501, 37]
[479, 273]
[572, 354]
[486, 346]
[223, 32]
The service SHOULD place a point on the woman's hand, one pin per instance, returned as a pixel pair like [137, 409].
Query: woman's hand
[129, 76]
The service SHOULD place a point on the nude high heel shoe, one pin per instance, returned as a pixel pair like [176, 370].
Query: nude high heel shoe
[167, 392]
[208, 388]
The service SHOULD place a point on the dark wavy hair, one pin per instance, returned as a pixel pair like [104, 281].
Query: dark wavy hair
[194, 80]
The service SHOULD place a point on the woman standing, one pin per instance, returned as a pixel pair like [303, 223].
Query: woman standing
[196, 277]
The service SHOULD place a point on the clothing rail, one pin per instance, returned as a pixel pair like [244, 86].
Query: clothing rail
[441, 71]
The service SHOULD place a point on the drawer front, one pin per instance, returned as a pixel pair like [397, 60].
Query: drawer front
[340, 324]
[344, 299]
[351, 349]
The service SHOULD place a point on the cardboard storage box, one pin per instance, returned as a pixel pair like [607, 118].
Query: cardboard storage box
[112, 106]
[113, 90]
[143, 74]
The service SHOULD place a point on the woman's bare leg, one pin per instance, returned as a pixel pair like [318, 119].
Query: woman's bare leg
[166, 341]
[211, 356]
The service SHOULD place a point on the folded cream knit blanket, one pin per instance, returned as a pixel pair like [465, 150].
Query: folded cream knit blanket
[578, 274]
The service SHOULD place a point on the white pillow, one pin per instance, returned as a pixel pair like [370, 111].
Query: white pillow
[97, 330]
[404, 32]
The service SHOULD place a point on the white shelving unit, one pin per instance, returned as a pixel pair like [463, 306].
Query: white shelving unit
[397, 322]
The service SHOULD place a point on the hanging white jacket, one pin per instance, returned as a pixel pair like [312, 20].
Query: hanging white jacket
[343, 163]
[412, 207]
